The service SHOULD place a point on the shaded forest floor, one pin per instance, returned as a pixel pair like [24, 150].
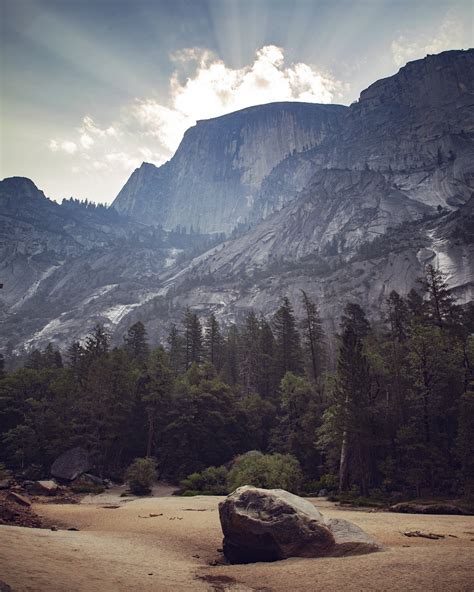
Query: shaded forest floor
[170, 544]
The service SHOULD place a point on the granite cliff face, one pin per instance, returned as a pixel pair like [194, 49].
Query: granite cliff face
[416, 128]
[347, 203]
[212, 181]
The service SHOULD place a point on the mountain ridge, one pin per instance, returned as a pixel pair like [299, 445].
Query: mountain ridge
[308, 218]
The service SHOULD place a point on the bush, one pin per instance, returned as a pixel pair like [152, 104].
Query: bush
[270, 471]
[327, 482]
[211, 481]
[141, 475]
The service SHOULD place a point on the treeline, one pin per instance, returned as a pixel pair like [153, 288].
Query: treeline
[394, 416]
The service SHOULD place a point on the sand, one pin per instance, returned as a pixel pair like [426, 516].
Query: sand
[124, 549]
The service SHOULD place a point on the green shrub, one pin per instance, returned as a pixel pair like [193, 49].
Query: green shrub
[211, 481]
[270, 471]
[141, 475]
[327, 482]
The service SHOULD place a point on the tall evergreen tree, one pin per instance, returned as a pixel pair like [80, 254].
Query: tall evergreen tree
[312, 335]
[287, 340]
[250, 353]
[136, 343]
[176, 349]
[97, 343]
[231, 356]
[212, 341]
[157, 397]
[193, 338]
[440, 302]
[267, 381]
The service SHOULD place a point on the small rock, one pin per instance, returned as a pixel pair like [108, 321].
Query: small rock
[54, 528]
[48, 487]
[5, 484]
[73, 529]
[19, 499]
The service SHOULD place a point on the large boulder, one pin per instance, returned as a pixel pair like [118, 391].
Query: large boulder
[272, 524]
[71, 464]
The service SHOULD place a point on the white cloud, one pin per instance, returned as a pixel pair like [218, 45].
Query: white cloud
[64, 146]
[215, 89]
[449, 36]
[86, 141]
[69, 147]
[202, 87]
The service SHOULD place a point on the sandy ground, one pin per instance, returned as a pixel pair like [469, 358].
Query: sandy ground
[123, 549]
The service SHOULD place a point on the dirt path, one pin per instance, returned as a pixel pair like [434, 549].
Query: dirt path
[124, 549]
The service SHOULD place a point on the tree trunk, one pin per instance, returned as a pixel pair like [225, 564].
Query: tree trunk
[151, 433]
[344, 463]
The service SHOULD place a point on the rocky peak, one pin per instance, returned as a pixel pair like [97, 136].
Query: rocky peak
[212, 181]
[427, 83]
[19, 188]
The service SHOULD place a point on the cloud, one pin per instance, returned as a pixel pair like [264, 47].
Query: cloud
[448, 36]
[202, 86]
[65, 146]
[86, 141]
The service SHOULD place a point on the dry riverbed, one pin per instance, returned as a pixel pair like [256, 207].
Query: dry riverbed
[169, 544]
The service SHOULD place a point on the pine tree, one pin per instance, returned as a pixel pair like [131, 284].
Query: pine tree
[397, 319]
[249, 353]
[136, 343]
[97, 343]
[176, 346]
[415, 305]
[231, 356]
[312, 335]
[193, 338]
[288, 348]
[212, 342]
[345, 423]
[267, 382]
[440, 302]
[157, 396]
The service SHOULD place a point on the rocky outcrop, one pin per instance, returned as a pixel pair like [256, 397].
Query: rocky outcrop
[269, 525]
[71, 464]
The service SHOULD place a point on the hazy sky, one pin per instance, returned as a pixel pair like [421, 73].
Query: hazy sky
[90, 89]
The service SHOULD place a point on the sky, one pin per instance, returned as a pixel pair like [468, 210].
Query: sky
[92, 88]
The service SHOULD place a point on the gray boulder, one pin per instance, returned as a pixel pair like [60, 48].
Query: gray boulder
[47, 487]
[272, 524]
[71, 464]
